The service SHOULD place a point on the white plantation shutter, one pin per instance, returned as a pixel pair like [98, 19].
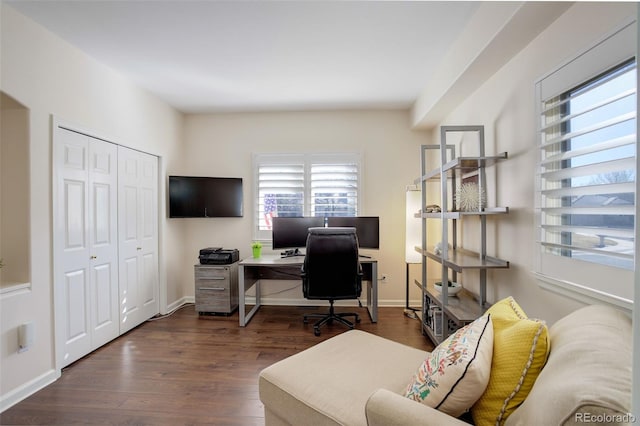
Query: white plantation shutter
[334, 185]
[280, 189]
[585, 198]
[588, 170]
[304, 185]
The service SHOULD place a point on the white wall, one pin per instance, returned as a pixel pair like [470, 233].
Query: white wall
[222, 145]
[50, 77]
[505, 104]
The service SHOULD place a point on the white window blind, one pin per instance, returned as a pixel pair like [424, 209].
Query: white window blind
[334, 188]
[304, 185]
[585, 203]
[588, 170]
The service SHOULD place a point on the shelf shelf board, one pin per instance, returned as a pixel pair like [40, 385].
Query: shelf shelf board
[461, 259]
[487, 211]
[431, 334]
[473, 163]
[461, 308]
[462, 165]
[418, 314]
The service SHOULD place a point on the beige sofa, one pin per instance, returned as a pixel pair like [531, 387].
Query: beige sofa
[357, 378]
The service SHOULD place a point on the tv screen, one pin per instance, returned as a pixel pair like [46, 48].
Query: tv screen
[367, 228]
[291, 232]
[193, 196]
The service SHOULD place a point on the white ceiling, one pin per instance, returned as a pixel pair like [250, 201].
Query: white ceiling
[220, 56]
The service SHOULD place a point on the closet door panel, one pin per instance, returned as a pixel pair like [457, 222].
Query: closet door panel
[148, 216]
[77, 290]
[72, 246]
[129, 231]
[85, 244]
[139, 237]
[149, 278]
[103, 226]
[75, 226]
[129, 308]
[103, 276]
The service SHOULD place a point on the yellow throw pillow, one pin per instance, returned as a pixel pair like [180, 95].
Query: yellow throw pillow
[520, 350]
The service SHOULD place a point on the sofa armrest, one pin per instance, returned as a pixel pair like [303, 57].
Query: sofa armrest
[385, 408]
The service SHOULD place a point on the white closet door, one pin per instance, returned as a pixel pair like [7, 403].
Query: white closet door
[138, 237]
[85, 240]
[103, 239]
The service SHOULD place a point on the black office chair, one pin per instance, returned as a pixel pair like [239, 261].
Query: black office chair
[331, 271]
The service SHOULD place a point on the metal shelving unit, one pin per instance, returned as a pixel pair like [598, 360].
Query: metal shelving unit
[442, 314]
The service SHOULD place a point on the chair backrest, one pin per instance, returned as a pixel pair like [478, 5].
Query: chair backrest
[331, 266]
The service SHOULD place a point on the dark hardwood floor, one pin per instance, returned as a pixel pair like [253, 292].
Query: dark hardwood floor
[186, 370]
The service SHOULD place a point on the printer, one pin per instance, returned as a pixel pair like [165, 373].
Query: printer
[218, 256]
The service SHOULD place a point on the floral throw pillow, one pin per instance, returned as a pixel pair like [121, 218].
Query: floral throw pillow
[454, 376]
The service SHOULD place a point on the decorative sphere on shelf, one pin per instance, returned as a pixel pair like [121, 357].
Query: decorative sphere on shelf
[470, 197]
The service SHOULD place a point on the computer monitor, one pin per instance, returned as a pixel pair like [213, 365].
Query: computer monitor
[367, 228]
[291, 232]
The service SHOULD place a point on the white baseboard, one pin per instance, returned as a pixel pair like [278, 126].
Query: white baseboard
[11, 398]
[274, 301]
[178, 303]
[281, 301]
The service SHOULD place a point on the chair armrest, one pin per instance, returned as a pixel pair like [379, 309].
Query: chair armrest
[385, 408]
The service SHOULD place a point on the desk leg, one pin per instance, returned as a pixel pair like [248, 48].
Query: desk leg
[241, 294]
[244, 318]
[372, 293]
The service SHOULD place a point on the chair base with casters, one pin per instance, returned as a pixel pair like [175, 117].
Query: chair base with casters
[330, 317]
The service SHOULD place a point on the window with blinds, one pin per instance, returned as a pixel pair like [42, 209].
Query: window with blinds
[334, 189]
[588, 170]
[304, 185]
[585, 199]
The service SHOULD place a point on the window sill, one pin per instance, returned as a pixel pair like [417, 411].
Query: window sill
[582, 293]
[9, 290]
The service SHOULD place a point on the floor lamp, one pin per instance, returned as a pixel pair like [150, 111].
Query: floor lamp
[413, 238]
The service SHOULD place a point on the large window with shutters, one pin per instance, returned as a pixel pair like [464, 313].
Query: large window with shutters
[587, 172]
[304, 185]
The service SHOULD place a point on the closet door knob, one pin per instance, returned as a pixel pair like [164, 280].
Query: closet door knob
[93, 257]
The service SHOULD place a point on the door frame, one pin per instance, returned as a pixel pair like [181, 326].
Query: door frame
[58, 295]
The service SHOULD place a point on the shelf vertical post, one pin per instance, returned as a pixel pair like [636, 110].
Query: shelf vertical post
[445, 228]
[423, 197]
[482, 188]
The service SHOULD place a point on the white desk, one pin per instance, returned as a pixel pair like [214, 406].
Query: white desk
[251, 271]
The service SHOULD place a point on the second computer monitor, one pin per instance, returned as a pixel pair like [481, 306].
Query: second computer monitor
[367, 229]
[291, 232]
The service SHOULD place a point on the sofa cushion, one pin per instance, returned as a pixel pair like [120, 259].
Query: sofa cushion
[588, 374]
[520, 350]
[330, 383]
[456, 373]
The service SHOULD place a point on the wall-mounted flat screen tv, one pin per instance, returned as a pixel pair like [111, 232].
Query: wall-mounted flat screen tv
[194, 196]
